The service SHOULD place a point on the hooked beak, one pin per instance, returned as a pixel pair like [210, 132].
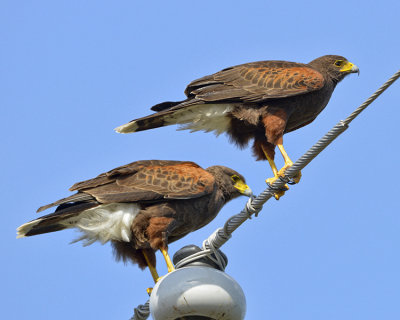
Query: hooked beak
[243, 188]
[350, 68]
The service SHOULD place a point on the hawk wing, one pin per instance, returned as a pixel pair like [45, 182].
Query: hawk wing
[143, 181]
[153, 181]
[256, 82]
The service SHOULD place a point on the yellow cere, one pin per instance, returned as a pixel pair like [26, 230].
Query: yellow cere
[347, 66]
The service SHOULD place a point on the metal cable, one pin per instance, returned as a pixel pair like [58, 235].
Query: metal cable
[209, 252]
[377, 93]
[255, 204]
[142, 311]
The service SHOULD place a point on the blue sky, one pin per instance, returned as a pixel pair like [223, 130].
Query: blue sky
[71, 71]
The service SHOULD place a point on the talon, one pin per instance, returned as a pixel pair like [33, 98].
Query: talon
[277, 193]
[288, 164]
[281, 172]
[149, 291]
[271, 181]
[297, 177]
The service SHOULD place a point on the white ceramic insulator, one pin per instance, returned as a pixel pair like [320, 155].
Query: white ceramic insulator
[197, 291]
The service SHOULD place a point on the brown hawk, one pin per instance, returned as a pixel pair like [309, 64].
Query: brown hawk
[142, 206]
[259, 100]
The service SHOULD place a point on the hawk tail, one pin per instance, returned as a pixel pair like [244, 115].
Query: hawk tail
[55, 221]
[152, 121]
[164, 116]
[36, 227]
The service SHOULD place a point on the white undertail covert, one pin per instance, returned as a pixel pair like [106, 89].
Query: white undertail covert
[103, 223]
[204, 117]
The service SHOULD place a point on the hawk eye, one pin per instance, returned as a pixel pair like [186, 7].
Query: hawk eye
[235, 178]
[338, 63]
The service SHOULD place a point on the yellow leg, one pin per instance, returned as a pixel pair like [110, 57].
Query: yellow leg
[285, 156]
[167, 260]
[152, 269]
[288, 164]
[271, 162]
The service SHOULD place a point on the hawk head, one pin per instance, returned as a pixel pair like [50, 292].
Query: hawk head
[336, 67]
[231, 183]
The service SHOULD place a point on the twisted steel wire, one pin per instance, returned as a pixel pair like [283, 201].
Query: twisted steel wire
[142, 311]
[376, 94]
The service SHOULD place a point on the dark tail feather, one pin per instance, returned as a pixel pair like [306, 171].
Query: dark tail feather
[77, 197]
[40, 230]
[54, 221]
[165, 105]
[152, 121]
[156, 120]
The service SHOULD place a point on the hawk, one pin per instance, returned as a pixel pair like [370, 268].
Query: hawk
[142, 206]
[259, 101]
